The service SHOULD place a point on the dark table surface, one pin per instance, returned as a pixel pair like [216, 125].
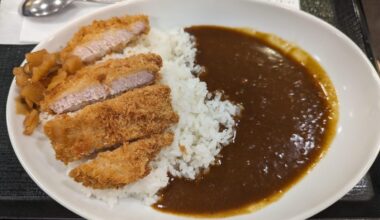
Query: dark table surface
[20, 197]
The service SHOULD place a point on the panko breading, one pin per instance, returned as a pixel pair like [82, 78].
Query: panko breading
[100, 81]
[127, 164]
[94, 41]
[133, 115]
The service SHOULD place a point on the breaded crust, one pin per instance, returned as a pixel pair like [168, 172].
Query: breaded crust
[133, 115]
[102, 73]
[98, 27]
[129, 163]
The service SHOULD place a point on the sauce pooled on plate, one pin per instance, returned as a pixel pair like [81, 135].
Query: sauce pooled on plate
[287, 122]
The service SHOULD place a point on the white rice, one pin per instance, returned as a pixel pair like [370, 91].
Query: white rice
[199, 124]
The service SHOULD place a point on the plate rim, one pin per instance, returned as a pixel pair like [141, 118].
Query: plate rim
[302, 14]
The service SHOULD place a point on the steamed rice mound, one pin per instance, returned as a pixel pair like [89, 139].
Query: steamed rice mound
[198, 139]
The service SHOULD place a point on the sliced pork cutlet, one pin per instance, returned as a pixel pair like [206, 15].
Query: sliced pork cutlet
[100, 81]
[102, 37]
[136, 114]
[127, 164]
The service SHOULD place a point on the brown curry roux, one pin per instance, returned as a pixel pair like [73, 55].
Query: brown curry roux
[287, 123]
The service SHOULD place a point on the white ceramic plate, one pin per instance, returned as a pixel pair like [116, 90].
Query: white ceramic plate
[351, 154]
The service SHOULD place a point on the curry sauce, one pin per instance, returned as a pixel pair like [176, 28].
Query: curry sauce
[288, 120]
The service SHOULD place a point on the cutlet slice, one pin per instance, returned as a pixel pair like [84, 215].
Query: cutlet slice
[127, 164]
[94, 41]
[100, 81]
[130, 116]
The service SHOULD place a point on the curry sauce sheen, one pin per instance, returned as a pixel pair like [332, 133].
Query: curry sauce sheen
[288, 120]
